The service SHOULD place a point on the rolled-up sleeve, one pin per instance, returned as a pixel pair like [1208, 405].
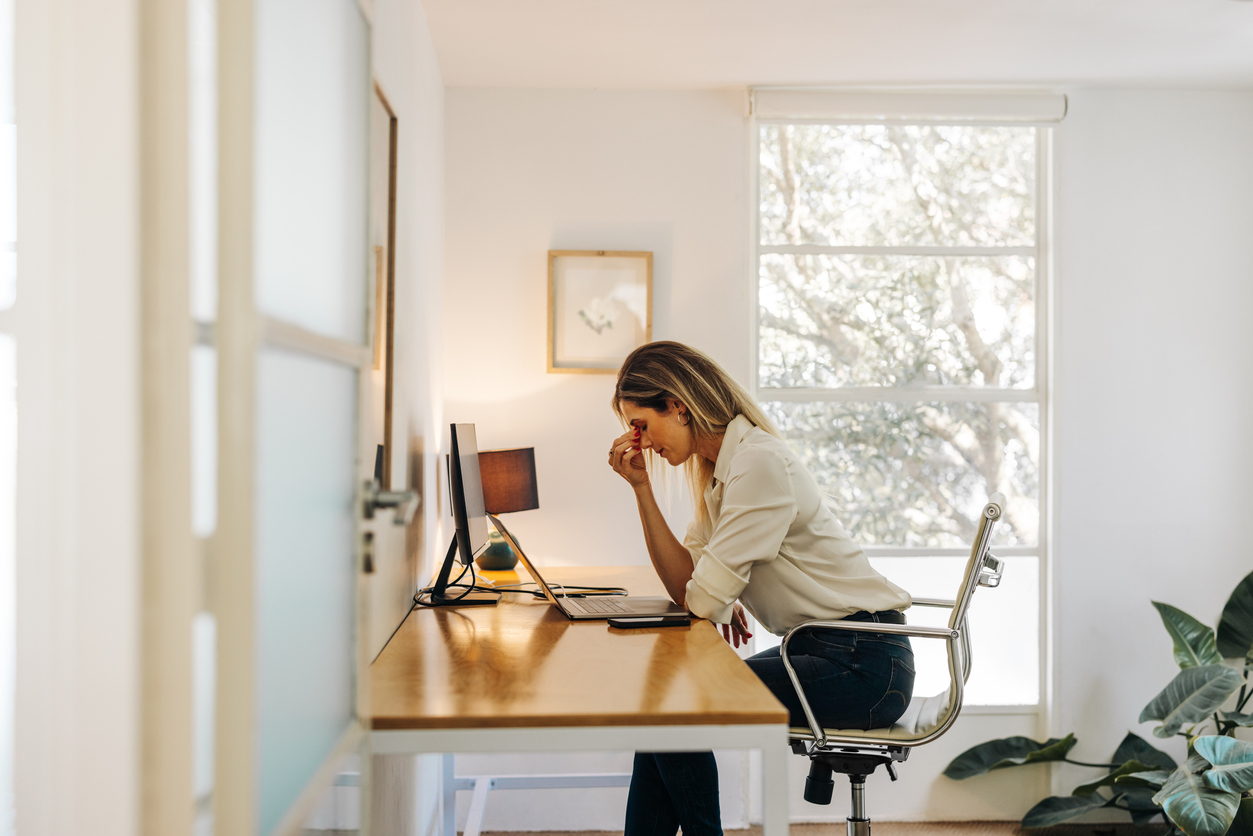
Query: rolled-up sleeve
[758, 508]
[696, 539]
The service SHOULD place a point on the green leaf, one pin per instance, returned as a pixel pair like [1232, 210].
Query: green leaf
[1153, 779]
[1009, 751]
[1232, 760]
[1190, 697]
[1195, 644]
[1243, 824]
[1143, 817]
[1196, 809]
[1135, 747]
[1060, 808]
[1236, 717]
[1108, 780]
[1139, 802]
[1235, 628]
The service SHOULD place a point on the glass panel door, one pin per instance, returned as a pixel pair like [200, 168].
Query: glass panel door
[310, 203]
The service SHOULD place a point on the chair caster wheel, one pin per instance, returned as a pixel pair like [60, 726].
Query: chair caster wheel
[819, 785]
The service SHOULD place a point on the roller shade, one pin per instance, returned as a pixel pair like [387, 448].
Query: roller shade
[1015, 107]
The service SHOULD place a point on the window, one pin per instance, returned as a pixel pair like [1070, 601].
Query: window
[899, 347]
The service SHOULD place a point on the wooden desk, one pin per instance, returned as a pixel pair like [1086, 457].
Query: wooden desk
[520, 676]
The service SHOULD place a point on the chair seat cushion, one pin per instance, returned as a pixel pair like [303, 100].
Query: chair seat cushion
[923, 716]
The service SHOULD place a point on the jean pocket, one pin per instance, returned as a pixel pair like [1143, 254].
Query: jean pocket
[896, 699]
[839, 641]
[897, 646]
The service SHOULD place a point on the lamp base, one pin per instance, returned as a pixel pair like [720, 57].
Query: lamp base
[498, 557]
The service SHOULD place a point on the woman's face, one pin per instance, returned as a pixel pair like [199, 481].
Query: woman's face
[664, 432]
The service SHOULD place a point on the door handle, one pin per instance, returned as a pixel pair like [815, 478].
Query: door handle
[405, 502]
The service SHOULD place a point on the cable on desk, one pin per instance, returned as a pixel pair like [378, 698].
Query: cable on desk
[562, 590]
[456, 584]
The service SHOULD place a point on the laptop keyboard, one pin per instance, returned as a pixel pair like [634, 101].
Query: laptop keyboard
[598, 605]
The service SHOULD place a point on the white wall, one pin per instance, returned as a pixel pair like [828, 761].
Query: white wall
[1153, 391]
[530, 171]
[406, 70]
[406, 789]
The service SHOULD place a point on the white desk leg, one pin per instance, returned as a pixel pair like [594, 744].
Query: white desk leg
[774, 774]
[478, 806]
[448, 797]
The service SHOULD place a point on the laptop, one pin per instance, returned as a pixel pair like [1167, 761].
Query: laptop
[596, 607]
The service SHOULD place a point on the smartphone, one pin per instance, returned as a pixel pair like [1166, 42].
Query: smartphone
[632, 622]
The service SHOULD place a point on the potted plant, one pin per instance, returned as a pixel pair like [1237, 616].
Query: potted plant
[1209, 794]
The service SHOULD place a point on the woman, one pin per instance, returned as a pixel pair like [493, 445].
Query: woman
[763, 540]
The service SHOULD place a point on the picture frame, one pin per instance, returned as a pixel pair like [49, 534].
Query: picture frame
[600, 308]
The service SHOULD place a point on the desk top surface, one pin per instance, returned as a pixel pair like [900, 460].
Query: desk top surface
[523, 663]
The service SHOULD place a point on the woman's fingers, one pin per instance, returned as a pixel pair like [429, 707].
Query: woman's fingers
[740, 621]
[734, 634]
[626, 458]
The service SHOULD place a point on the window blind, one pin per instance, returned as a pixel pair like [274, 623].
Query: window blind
[976, 106]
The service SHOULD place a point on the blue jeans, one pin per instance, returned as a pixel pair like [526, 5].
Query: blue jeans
[851, 680]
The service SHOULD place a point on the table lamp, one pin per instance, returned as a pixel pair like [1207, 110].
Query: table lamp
[509, 485]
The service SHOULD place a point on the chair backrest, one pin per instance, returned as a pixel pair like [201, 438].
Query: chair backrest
[935, 715]
[981, 569]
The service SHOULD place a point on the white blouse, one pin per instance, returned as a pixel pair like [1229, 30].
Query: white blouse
[772, 542]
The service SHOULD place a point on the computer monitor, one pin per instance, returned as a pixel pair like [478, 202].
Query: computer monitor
[467, 493]
[465, 489]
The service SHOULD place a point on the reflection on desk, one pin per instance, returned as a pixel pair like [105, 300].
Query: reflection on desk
[522, 663]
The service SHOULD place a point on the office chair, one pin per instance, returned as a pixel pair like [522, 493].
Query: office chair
[856, 752]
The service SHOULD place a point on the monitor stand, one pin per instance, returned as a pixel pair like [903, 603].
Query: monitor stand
[439, 597]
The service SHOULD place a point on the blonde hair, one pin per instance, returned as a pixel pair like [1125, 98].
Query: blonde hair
[657, 372]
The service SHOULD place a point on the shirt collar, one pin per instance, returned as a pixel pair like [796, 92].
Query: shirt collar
[735, 432]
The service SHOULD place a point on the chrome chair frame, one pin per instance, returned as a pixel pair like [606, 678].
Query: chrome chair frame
[857, 753]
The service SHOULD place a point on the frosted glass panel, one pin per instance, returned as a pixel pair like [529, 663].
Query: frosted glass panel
[8, 215]
[8, 182]
[204, 638]
[202, 157]
[204, 440]
[8, 648]
[338, 809]
[306, 475]
[6, 65]
[8, 279]
[312, 141]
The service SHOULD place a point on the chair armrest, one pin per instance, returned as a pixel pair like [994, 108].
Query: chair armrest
[935, 602]
[820, 736]
[875, 627]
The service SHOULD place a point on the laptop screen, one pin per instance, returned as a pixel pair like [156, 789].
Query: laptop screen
[513, 544]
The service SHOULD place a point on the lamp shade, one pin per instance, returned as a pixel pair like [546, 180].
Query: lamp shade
[509, 480]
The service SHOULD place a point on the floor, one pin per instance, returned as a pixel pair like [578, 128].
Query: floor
[889, 828]
[886, 828]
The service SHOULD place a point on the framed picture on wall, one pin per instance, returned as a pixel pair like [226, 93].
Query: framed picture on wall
[600, 308]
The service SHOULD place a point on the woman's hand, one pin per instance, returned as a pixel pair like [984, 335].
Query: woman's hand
[627, 459]
[737, 631]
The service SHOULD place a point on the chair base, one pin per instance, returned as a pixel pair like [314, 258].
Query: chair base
[855, 762]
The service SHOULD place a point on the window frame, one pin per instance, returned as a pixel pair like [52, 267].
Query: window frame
[1039, 393]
